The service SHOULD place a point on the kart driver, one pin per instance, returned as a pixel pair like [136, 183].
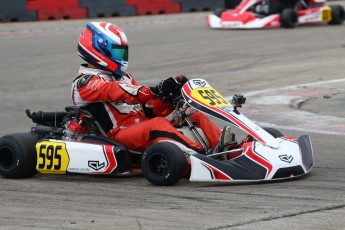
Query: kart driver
[269, 7]
[131, 114]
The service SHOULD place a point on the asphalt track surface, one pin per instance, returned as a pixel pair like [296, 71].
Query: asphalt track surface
[293, 80]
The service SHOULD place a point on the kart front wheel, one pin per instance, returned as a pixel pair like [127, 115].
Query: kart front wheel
[163, 164]
[289, 18]
[18, 155]
[338, 15]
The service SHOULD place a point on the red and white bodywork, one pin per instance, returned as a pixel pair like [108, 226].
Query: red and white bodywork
[257, 162]
[261, 158]
[60, 157]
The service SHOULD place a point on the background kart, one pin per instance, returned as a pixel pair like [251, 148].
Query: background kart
[72, 142]
[253, 14]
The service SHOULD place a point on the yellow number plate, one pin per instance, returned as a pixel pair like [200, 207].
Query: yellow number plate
[326, 14]
[210, 97]
[52, 157]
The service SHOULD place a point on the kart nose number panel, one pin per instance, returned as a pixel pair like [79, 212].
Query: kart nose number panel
[210, 97]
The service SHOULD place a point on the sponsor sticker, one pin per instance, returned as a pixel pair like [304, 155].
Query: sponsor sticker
[286, 158]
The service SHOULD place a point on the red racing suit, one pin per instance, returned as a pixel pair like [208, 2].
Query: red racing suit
[114, 103]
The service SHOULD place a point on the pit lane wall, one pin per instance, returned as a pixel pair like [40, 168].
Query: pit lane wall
[40, 10]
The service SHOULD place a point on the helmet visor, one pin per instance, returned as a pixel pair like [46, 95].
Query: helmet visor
[113, 51]
[119, 52]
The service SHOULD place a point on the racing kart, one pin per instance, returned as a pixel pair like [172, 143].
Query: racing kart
[73, 142]
[254, 14]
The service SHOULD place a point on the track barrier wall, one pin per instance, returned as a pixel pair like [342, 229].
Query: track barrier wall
[15, 10]
[56, 9]
[40, 10]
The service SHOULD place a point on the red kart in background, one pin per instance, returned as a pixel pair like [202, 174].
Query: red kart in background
[254, 14]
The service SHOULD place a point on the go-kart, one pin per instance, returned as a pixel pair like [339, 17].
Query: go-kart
[254, 14]
[73, 142]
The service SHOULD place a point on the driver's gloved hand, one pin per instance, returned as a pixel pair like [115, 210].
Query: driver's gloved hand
[169, 87]
[181, 79]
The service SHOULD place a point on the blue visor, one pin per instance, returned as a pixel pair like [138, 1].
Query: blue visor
[111, 50]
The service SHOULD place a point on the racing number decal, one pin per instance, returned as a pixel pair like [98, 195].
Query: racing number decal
[326, 14]
[210, 97]
[52, 157]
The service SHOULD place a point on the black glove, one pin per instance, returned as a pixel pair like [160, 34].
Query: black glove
[169, 87]
[181, 79]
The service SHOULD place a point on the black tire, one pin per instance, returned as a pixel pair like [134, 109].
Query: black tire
[338, 15]
[18, 155]
[275, 133]
[163, 164]
[218, 12]
[289, 18]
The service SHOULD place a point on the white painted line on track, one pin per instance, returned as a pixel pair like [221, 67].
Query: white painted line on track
[291, 87]
[294, 87]
[264, 124]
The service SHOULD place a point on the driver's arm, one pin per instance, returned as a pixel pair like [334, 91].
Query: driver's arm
[92, 88]
[156, 108]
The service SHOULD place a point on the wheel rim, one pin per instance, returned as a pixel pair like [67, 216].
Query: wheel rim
[6, 157]
[158, 164]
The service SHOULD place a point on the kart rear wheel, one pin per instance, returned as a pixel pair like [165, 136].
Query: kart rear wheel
[274, 132]
[338, 15]
[163, 164]
[289, 18]
[18, 155]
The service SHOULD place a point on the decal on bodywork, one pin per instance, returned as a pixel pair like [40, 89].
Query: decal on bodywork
[91, 158]
[216, 173]
[96, 165]
[251, 153]
[286, 158]
[210, 97]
